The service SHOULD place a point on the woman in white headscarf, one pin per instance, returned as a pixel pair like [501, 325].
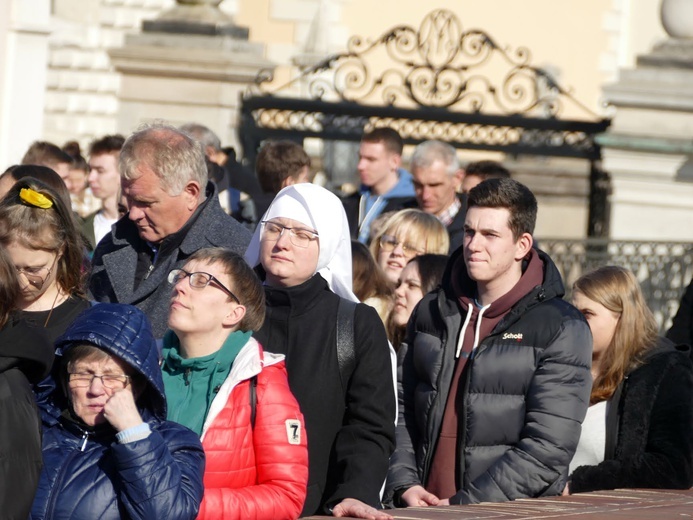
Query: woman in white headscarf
[303, 252]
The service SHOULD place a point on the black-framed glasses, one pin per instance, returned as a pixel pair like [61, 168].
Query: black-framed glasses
[199, 280]
[34, 275]
[389, 243]
[300, 237]
[110, 381]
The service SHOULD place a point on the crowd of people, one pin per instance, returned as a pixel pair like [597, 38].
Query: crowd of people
[183, 338]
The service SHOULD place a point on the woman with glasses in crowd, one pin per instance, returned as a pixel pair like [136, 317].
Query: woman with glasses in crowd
[637, 432]
[222, 385]
[26, 356]
[303, 252]
[39, 233]
[111, 454]
[41, 237]
[406, 234]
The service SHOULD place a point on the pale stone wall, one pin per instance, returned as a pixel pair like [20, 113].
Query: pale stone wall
[24, 29]
[82, 85]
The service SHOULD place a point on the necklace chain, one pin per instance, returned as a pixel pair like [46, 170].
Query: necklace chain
[50, 313]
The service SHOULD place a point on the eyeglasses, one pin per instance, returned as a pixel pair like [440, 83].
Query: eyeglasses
[199, 280]
[34, 275]
[110, 381]
[389, 243]
[299, 237]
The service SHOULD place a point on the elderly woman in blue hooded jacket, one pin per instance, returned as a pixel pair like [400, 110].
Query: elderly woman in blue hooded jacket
[111, 453]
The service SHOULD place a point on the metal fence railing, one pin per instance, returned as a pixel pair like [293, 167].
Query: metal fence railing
[664, 269]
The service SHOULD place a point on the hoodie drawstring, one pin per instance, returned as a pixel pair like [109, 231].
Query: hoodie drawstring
[460, 338]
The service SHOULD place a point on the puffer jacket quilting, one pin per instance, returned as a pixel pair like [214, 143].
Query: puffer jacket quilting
[256, 472]
[526, 392]
[90, 475]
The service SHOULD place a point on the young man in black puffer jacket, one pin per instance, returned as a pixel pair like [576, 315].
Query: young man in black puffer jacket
[496, 368]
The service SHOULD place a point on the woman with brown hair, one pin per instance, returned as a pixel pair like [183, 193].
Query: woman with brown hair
[421, 275]
[637, 433]
[370, 284]
[25, 358]
[41, 237]
[42, 240]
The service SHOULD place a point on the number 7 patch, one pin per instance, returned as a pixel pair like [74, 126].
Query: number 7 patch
[293, 431]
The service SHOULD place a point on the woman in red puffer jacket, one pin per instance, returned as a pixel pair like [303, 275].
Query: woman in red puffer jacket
[221, 384]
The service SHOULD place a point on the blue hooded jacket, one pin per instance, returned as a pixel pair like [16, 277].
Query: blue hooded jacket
[87, 473]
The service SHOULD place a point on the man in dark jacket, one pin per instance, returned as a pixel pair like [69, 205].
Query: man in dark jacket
[496, 368]
[173, 212]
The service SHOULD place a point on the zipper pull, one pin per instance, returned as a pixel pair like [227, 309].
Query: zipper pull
[149, 271]
[186, 375]
[85, 437]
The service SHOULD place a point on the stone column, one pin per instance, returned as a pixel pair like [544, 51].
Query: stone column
[649, 148]
[24, 30]
[190, 64]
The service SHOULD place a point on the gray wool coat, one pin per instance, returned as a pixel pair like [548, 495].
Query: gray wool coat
[115, 260]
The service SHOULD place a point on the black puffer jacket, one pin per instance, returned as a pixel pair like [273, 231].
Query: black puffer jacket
[649, 427]
[526, 391]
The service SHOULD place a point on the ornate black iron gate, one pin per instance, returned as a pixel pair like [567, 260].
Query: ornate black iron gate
[437, 87]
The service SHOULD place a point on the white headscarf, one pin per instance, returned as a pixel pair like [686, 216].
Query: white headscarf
[321, 210]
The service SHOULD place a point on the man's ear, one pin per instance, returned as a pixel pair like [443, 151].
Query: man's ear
[457, 179]
[191, 192]
[235, 316]
[395, 161]
[523, 245]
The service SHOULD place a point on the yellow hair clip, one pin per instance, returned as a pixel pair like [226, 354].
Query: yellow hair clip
[34, 198]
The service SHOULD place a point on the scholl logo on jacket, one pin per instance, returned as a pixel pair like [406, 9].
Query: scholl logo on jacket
[510, 335]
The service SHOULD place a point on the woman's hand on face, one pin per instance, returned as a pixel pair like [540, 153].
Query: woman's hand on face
[121, 411]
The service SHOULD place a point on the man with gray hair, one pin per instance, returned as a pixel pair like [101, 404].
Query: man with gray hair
[173, 211]
[437, 176]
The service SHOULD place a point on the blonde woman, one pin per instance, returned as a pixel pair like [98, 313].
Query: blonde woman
[405, 235]
[637, 433]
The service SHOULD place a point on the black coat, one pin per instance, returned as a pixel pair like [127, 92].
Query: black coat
[456, 227]
[681, 331]
[26, 356]
[525, 394]
[350, 433]
[649, 428]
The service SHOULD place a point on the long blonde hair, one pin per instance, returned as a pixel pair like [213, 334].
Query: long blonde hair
[618, 290]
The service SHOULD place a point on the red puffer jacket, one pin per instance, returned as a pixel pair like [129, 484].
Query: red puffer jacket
[260, 472]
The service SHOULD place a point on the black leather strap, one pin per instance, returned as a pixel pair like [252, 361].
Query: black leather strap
[253, 400]
[345, 340]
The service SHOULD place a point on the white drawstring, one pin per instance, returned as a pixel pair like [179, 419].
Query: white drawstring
[460, 339]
